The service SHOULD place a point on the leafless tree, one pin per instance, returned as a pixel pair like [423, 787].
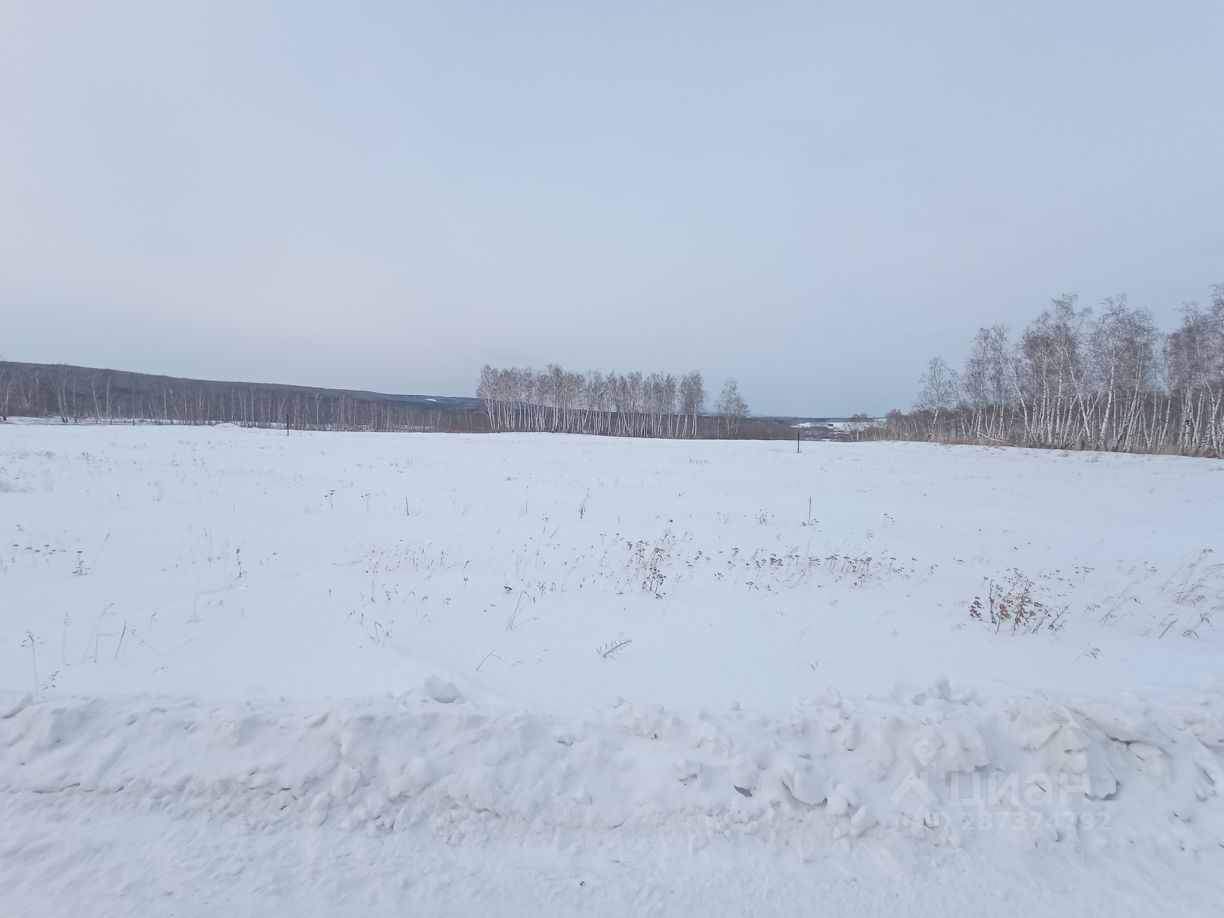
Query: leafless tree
[1078, 381]
[731, 407]
[940, 391]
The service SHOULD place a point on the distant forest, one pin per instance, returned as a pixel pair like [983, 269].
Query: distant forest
[1078, 380]
[74, 394]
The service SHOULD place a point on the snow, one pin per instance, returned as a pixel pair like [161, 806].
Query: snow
[249, 672]
[842, 424]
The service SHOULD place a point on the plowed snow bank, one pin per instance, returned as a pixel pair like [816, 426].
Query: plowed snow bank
[933, 765]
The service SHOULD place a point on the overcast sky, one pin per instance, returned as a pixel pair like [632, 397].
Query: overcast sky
[814, 197]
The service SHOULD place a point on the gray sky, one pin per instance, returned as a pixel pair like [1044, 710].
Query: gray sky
[815, 197]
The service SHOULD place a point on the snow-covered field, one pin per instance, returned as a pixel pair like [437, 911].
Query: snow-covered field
[249, 673]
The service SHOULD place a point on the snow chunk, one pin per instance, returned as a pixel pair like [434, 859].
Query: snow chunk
[805, 782]
[442, 691]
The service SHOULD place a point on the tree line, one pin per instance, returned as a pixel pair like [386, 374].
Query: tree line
[633, 404]
[77, 394]
[611, 404]
[1076, 378]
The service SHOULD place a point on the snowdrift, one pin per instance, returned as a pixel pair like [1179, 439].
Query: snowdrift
[940, 767]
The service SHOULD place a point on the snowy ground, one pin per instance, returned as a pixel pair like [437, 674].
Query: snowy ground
[249, 673]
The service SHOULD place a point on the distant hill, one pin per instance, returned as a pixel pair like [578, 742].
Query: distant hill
[73, 393]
